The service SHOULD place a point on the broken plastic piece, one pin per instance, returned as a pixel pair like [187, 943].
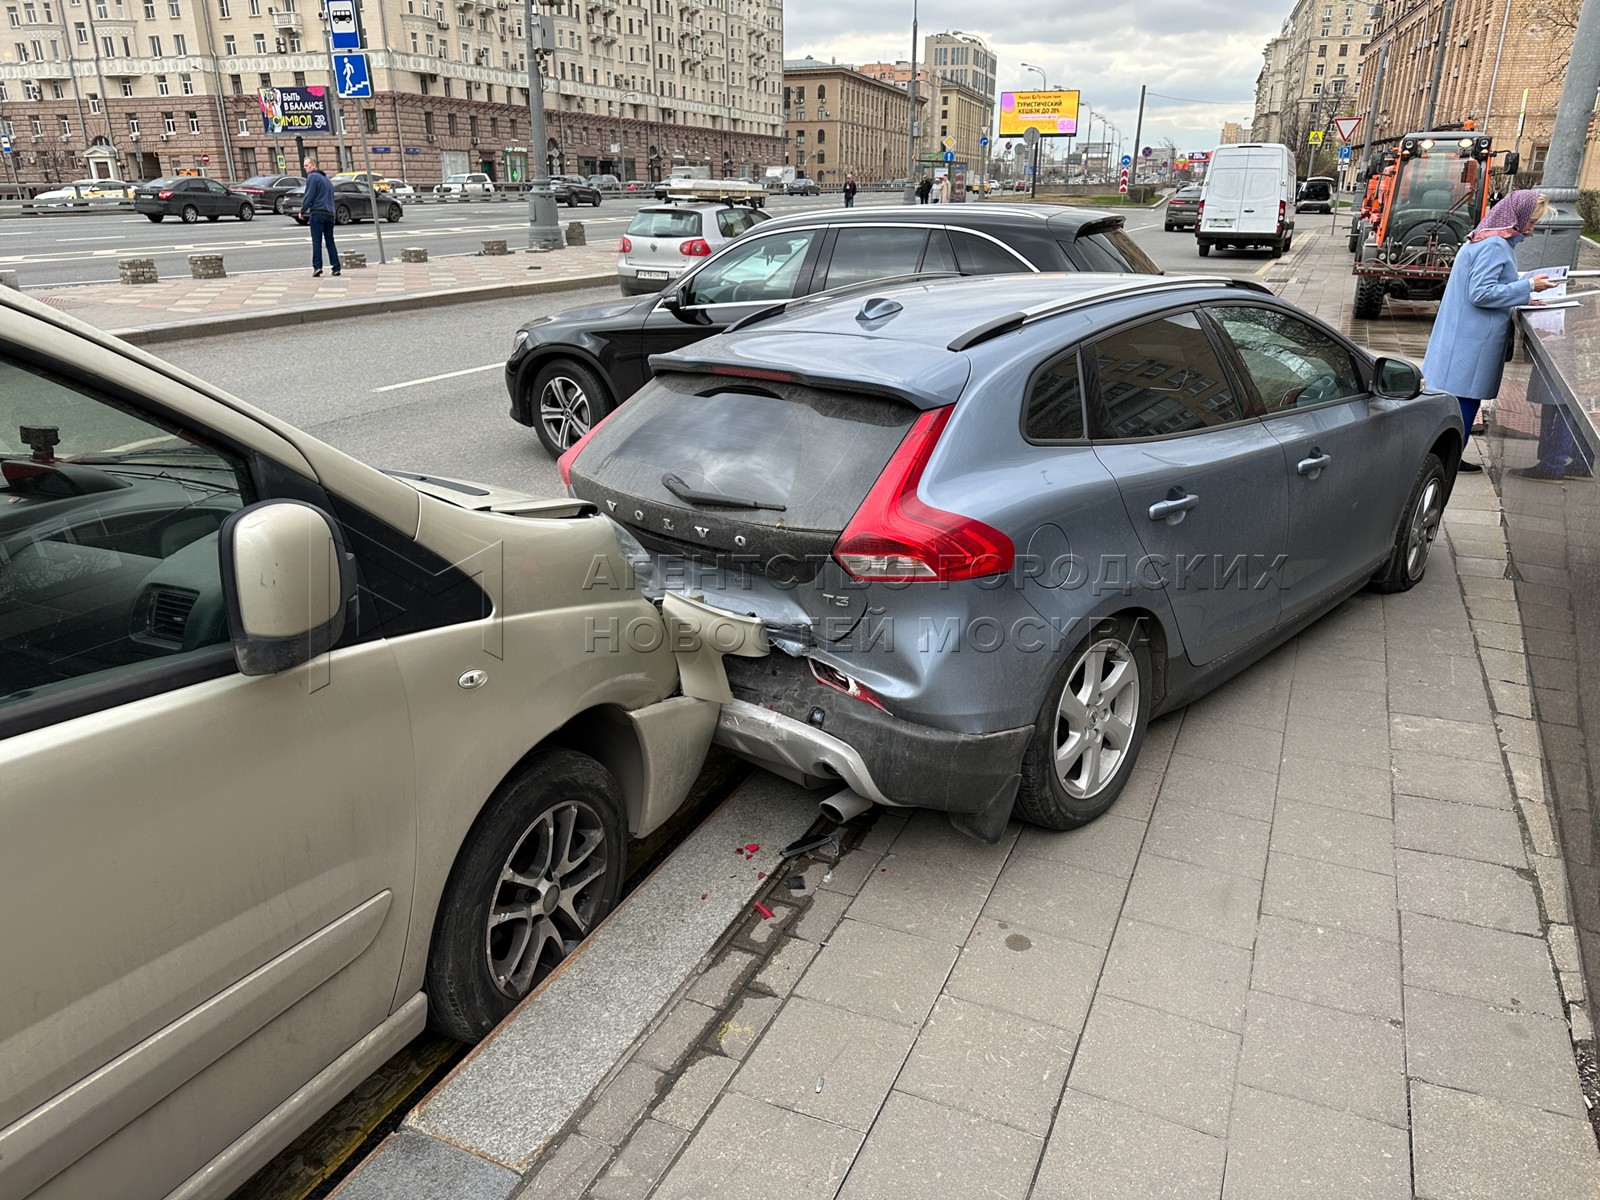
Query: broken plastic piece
[761, 874]
[703, 895]
[752, 847]
[814, 842]
[766, 913]
[819, 1084]
[795, 883]
[828, 878]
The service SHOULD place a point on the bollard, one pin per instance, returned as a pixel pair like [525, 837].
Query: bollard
[206, 266]
[351, 259]
[414, 254]
[575, 234]
[495, 248]
[137, 270]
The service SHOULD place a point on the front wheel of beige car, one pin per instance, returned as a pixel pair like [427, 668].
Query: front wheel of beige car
[541, 868]
[1089, 731]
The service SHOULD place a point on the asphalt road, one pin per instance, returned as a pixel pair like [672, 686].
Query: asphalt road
[47, 251]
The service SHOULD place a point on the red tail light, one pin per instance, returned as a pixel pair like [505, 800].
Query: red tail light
[627, 245]
[1200, 208]
[570, 456]
[895, 538]
[840, 682]
[163, 195]
[1283, 209]
[694, 248]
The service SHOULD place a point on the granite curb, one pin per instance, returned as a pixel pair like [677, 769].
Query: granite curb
[307, 314]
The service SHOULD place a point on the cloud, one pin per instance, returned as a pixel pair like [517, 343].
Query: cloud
[1196, 52]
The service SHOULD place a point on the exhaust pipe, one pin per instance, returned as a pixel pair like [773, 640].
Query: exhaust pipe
[844, 806]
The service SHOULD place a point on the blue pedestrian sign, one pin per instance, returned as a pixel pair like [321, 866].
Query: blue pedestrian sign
[949, 156]
[1344, 153]
[351, 72]
[1127, 160]
[342, 21]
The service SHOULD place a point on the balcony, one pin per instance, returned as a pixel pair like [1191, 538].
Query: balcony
[286, 20]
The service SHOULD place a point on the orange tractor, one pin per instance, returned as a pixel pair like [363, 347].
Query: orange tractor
[1419, 212]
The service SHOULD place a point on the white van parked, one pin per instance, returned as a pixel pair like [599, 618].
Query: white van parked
[1248, 198]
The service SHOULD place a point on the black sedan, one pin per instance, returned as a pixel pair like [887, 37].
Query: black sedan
[352, 201]
[190, 197]
[268, 191]
[802, 187]
[569, 370]
[572, 190]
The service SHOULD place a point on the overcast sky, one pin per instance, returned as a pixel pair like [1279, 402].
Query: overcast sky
[1174, 47]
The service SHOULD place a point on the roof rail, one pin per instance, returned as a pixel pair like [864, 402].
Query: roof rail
[1050, 308]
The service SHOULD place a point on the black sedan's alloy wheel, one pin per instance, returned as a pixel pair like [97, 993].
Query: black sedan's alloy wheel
[571, 399]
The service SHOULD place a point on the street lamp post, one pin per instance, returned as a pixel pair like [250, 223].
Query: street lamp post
[544, 225]
[1033, 178]
[911, 123]
[988, 114]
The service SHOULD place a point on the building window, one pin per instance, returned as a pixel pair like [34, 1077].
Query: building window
[174, 10]
[149, 10]
[1322, 52]
[230, 44]
[371, 119]
[248, 157]
[81, 32]
[168, 124]
[127, 87]
[94, 103]
[1338, 69]
[133, 123]
[66, 127]
[450, 124]
[36, 126]
[265, 80]
[224, 10]
[427, 123]
[261, 43]
[1344, 49]
[472, 127]
[1316, 89]
[186, 84]
[180, 44]
[194, 122]
[1320, 70]
[244, 126]
[155, 46]
[161, 86]
[255, 8]
[299, 79]
[108, 46]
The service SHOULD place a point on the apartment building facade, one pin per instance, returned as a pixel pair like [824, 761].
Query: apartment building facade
[841, 122]
[139, 88]
[1500, 63]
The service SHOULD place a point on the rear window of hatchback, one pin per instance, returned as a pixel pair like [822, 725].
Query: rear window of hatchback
[665, 223]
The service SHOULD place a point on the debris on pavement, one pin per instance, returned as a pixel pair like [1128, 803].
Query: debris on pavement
[814, 842]
[766, 913]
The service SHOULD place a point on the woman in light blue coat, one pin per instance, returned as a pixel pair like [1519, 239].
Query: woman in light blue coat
[1467, 349]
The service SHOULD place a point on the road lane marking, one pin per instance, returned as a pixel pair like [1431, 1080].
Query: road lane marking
[393, 387]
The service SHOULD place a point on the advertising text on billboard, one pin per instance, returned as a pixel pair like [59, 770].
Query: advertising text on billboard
[1053, 114]
[295, 110]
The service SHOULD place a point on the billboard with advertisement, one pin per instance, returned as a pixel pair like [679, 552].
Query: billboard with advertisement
[294, 110]
[1053, 114]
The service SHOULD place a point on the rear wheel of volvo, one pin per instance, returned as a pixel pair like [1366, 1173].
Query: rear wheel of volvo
[1369, 299]
[1418, 529]
[1088, 733]
[541, 868]
[570, 399]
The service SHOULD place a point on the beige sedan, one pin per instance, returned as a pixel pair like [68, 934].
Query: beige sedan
[298, 756]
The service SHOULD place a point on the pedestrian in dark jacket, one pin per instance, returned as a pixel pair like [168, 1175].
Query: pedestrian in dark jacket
[924, 186]
[849, 191]
[318, 206]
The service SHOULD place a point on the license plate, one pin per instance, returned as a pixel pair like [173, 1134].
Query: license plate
[653, 274]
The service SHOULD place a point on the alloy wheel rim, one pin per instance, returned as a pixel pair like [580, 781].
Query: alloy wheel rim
[1096, 718]
[545, 900]
[564, 411]
[1424, 528]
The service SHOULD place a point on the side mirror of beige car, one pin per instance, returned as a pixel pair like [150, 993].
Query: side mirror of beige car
[288, 581]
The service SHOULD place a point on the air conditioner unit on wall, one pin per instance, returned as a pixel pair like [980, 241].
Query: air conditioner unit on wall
[433, 137]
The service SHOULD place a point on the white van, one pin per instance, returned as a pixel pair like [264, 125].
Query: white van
[1248, 198]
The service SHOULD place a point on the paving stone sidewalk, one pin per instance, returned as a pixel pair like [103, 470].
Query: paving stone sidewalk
[291, 295]
[1321, 947]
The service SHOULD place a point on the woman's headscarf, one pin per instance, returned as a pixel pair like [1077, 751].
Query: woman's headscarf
[1508, 216]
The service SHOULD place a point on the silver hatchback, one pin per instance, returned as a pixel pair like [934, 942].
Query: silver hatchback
[665, 240]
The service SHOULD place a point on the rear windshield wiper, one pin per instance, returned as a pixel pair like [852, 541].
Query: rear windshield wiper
[683, 491]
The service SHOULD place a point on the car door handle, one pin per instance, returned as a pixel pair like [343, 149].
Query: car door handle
[1171, 509]
[1312, 465]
